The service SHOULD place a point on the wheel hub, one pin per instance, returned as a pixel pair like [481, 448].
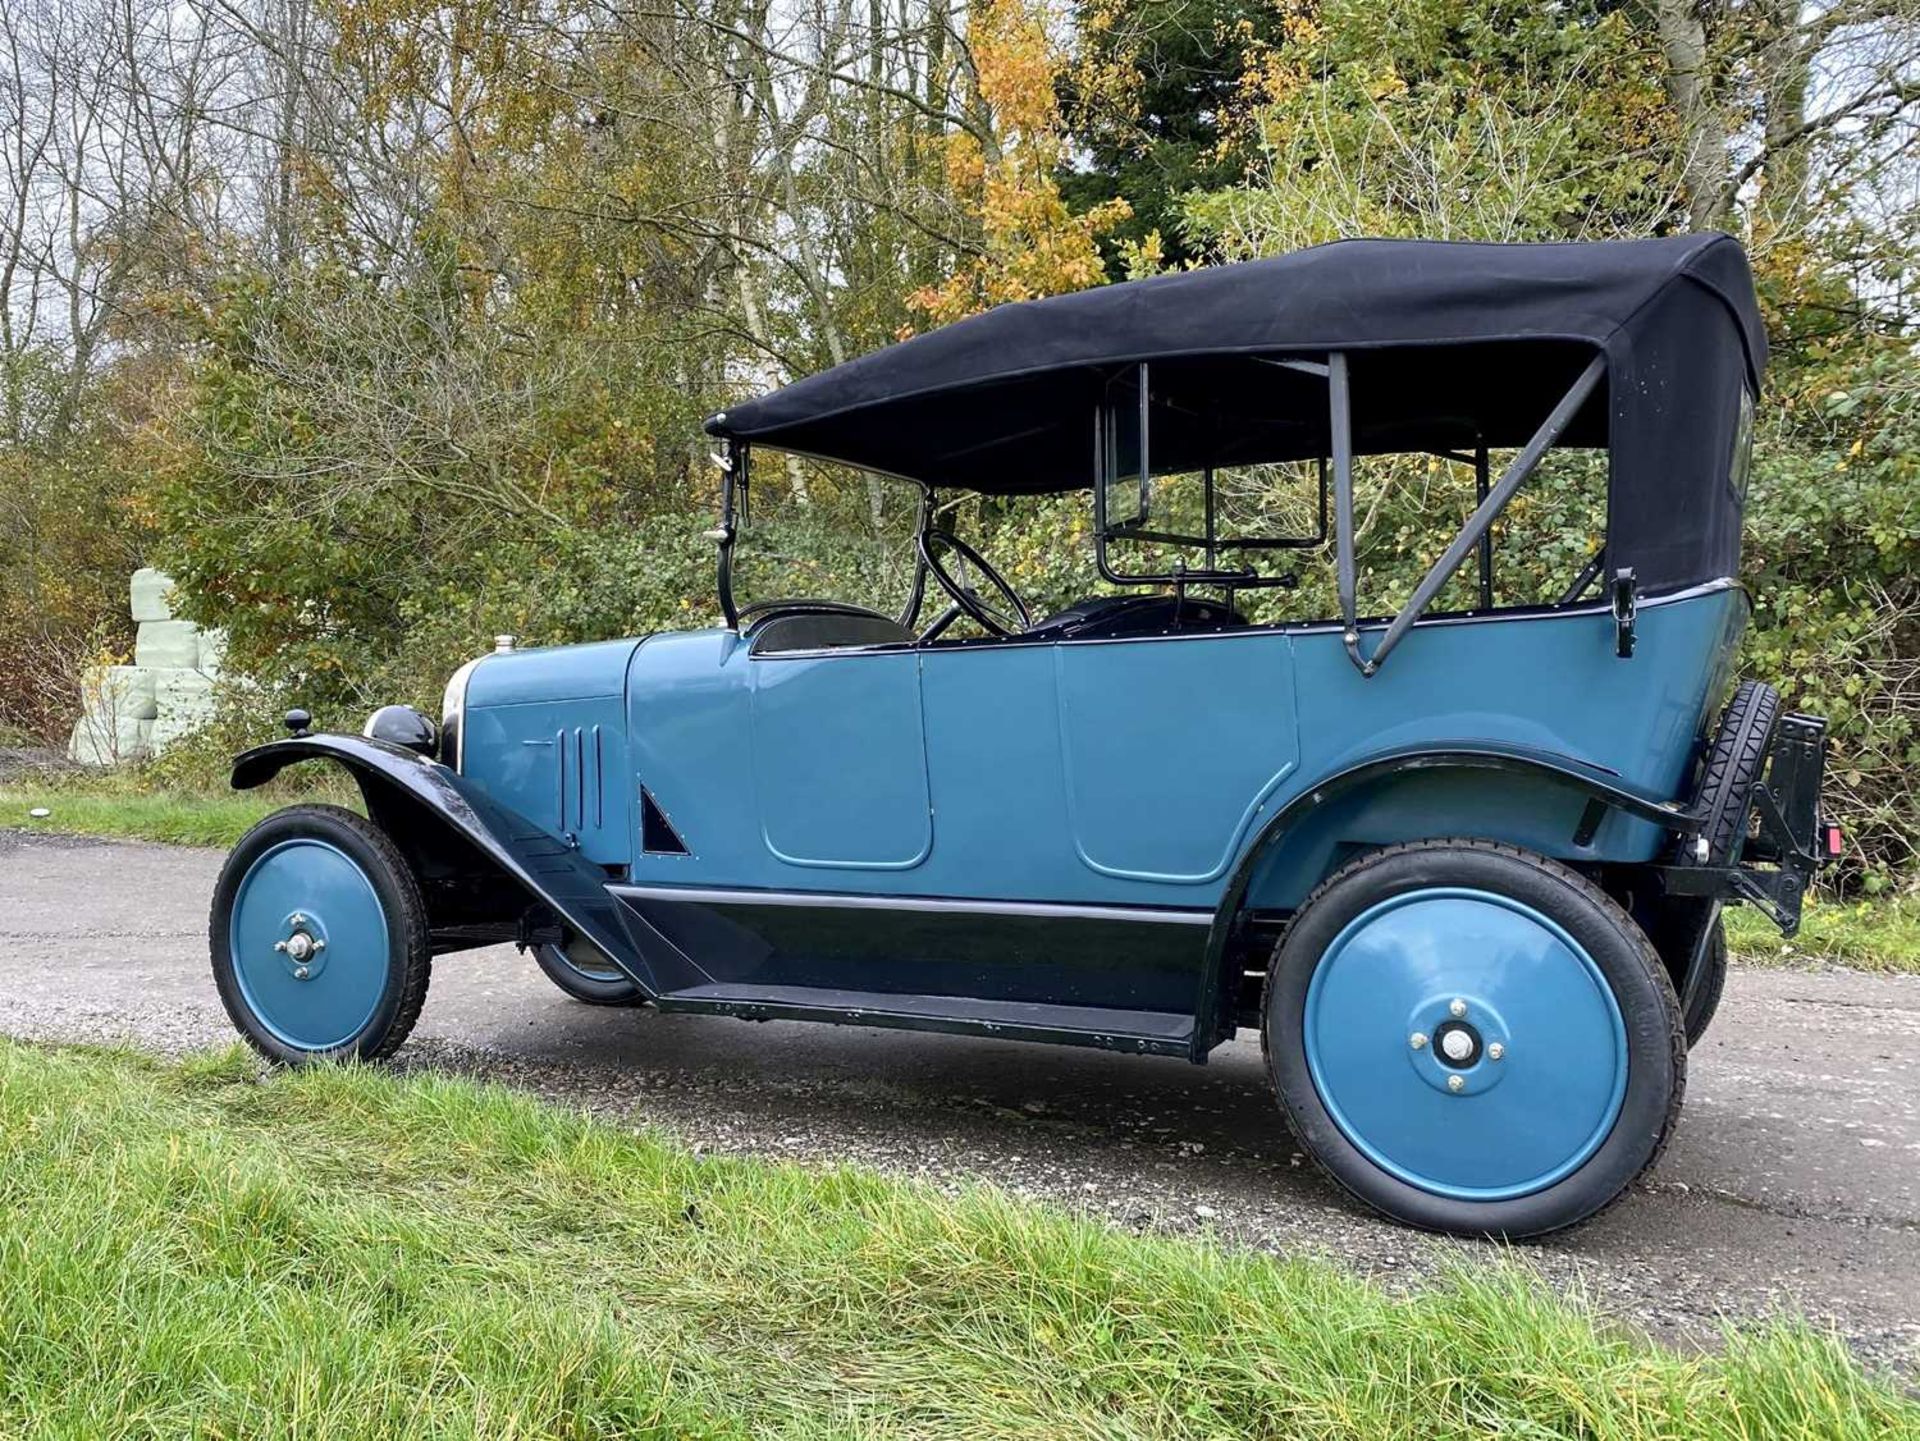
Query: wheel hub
[1460, 1037]
[302, 945]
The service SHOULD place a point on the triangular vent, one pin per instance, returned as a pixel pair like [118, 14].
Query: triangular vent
[657, 835]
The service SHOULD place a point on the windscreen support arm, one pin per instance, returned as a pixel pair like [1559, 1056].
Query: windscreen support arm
[733, 466]
[1480, 487]
[1470, 534]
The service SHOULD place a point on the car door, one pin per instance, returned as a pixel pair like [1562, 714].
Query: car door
[1104, 771]
[1170, 749]
[839, 759]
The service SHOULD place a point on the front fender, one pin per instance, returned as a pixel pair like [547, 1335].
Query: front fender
[550, 873]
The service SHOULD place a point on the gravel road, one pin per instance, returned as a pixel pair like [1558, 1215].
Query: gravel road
[1794, 1182]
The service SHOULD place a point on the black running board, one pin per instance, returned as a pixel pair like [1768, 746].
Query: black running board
[1151, 1033]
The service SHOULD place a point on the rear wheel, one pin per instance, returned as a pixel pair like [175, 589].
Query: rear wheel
[319, 938]
[583, 973]
[1474, 1039]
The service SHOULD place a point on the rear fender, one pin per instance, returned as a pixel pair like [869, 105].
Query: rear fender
[1584, 798]
[462, 843]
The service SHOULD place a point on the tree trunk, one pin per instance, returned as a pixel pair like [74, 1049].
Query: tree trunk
[1689, 85]
[1786, 69]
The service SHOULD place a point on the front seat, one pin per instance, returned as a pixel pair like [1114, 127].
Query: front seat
[1112, 617]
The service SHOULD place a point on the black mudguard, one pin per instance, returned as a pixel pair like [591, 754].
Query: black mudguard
[1213, 1012]
[404, 788]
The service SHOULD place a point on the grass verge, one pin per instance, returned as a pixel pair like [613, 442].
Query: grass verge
[1877, 935]
[121, 807]
[196, 1250]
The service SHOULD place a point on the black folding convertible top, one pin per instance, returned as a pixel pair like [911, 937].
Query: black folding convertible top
[1450, 344]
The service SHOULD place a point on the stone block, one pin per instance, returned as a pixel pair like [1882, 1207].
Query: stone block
[151, 593]
[186, 703]
[103, 741]
[167, 644]
[122, 691]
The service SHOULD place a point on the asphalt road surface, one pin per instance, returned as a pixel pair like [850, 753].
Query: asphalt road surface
[1794, 1181]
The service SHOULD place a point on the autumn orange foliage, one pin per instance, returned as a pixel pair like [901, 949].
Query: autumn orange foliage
[1032, 244]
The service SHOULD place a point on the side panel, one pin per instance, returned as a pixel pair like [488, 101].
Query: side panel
[561, 764]
[545, 734]
[1551, 684]
[1171, 749]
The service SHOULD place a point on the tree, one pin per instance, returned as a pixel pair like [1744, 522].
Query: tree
[1005, 166]
[1154, 96]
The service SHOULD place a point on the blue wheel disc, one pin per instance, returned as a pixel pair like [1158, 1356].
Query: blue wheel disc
[310, 944]
[1465, 1044]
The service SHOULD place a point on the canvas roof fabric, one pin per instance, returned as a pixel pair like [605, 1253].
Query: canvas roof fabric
[1450, 345]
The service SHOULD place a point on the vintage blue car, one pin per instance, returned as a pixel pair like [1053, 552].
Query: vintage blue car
[1463, 871]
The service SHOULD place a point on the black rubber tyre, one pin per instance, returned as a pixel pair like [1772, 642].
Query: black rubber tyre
[1733, 767]
[597, 983]
[1703, 996]
[1642, 991]
[409, 960]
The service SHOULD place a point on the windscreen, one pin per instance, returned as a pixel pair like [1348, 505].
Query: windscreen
[820, 530]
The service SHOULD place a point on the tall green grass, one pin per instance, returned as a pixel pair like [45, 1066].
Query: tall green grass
[123, 807]
[1873, 935]
[196, 1251]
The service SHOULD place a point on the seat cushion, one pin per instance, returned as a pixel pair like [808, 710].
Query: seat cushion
[1107, 617]
[825, 630]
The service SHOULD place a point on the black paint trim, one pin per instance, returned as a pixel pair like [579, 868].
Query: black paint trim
[968, 952]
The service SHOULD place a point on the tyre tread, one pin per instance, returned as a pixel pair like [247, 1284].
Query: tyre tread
[1734, 763]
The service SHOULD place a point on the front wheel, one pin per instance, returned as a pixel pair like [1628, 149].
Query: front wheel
[1474, 1039]
[586, 975]
[319, 938]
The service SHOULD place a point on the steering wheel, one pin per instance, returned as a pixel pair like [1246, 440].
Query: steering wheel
[954, 563]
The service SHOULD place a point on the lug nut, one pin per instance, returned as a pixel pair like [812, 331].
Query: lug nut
[1455, 1083]
[1417, 1040]
[1496, 1051]
[1457, 1009]
[300, 973]
[279, 945]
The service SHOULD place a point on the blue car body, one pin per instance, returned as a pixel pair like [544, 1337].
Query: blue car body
[1050, 822]
[1405, 847]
